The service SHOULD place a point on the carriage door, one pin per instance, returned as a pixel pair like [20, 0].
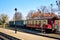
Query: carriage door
[59, 25]
[52, 24]
[56, 24]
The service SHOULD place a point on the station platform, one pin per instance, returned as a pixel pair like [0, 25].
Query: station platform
[24, 36]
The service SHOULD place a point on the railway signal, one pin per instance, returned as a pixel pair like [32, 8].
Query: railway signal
[15, 21]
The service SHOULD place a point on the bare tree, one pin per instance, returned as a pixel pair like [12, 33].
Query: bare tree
[17, 16]
[44, 9]
[4, 19]
[30, 14]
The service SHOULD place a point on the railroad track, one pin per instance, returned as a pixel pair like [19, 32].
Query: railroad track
[35, 32]
[7, 37]
[50, 35]
[3, 38]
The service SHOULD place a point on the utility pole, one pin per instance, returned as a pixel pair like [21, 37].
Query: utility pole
[15, 20]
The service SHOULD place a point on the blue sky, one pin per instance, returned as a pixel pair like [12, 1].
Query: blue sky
[23, 6]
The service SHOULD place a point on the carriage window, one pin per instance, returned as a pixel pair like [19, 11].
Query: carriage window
[28, 22]
[36, 22]
[39, 22]
[44, 21]
[33, 22]
[56, 21]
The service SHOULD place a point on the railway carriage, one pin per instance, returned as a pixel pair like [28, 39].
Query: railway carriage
[20, 23]
[46, 24]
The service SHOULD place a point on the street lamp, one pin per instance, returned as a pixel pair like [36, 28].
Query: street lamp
[15, 20]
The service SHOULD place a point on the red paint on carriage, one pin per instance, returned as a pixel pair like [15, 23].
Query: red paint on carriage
[34, 26]
[49, 26]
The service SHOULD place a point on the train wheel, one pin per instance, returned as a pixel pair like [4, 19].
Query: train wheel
[31, 28]
[43, 31]
[54, 31]
[48, 30]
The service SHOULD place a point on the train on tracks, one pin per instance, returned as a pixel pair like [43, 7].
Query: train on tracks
[46, 22]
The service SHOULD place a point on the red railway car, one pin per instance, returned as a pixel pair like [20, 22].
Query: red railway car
[46, 23]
